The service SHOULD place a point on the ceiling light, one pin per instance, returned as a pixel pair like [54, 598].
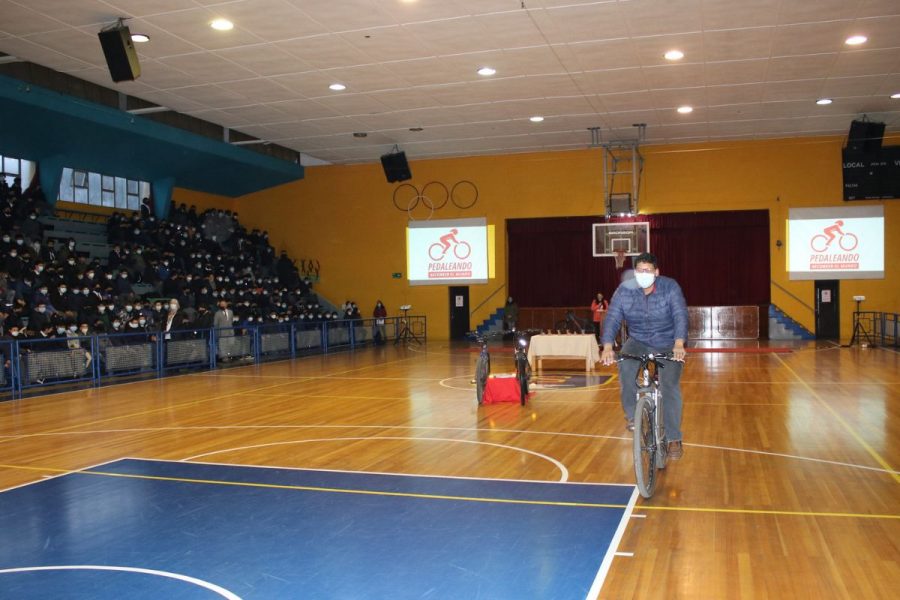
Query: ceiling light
[824, 101]
[856, 40]
[674, 55]
[337, 87]
[486, 71]
[685, 109]
[222, 25]
[140, 38]
[895, 96]
[536, 119]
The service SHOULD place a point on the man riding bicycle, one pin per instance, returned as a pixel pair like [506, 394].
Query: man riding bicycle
[657, 317]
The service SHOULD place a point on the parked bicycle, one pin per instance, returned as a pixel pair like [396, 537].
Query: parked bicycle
[523, 369]
[650, 447]
[482, 369]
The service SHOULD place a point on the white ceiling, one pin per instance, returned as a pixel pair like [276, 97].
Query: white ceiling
[752, 68]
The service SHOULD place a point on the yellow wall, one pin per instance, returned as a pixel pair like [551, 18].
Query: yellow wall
[343, 215]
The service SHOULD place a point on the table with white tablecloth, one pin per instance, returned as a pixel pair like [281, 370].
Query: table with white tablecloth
[582, 347]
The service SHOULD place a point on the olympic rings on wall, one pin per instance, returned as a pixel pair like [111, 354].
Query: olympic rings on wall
[434, 196]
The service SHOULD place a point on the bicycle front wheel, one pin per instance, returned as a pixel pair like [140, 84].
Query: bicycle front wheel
[522, 376]
[482, 369]
[645, 443]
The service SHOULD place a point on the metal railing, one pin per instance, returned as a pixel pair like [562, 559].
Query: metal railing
[486, 300]
[66, 363]
[876, 328]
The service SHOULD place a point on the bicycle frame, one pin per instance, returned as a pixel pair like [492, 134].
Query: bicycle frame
[649, 445]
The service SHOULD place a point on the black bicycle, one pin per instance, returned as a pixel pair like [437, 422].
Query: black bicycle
[523, 369]
[650, 447]
[482, 369]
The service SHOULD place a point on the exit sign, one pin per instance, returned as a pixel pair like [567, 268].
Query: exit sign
[397, 275]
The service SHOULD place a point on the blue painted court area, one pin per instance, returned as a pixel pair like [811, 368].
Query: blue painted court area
[156, 529]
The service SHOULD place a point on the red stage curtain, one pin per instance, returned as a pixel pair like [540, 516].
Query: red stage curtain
[719, 258]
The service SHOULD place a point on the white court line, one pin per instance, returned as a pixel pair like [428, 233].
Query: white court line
[564, 472]
[49, 477]
[627, 554]
[460, 429]
[177, 576]
[611, 552]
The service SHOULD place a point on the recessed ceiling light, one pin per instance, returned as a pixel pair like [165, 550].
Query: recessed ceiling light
[337, 87]
[222, 25]
[140, 38]
[856, 40]
[486, 71]
[674, 55]
[685, 109]
[895, 96]
[536, 119]
[824, 101]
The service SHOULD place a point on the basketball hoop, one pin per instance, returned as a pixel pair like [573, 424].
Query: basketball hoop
[620, 259]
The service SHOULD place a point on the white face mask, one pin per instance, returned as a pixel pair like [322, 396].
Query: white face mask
[645, 280]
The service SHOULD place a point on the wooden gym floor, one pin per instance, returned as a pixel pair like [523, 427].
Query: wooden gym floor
[788, 487]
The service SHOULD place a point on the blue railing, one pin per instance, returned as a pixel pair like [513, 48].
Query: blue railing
[89, 361]
[878, 328]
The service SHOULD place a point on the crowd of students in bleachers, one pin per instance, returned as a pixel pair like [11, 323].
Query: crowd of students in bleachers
[189, 271]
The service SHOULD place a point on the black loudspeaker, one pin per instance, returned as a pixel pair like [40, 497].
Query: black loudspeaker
[395, 167]
[865, 136]
[121, 57]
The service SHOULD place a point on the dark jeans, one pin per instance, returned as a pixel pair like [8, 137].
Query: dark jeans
[669, 384]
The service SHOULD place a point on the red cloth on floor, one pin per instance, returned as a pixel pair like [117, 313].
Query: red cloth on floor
[501, 389]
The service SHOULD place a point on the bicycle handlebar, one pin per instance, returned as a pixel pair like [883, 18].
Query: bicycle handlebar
[670, 356]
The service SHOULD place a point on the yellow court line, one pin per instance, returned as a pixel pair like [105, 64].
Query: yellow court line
[751, 511]
[306, 488]
[844, 423]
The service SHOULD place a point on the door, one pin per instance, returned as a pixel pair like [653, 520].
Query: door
[459, 312]
[828, 320]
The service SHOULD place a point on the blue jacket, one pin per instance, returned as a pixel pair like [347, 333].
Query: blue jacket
[656, 319]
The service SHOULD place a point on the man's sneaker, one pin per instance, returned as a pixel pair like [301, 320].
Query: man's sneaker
[629, 424]
[676, 451]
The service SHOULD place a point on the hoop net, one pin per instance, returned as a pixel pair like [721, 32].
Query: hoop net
[620, 258]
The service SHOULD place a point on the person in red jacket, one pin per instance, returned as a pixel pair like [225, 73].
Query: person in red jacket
[598, 306]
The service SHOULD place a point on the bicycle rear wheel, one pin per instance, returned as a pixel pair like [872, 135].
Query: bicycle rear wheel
[482, 369]
[645, 443]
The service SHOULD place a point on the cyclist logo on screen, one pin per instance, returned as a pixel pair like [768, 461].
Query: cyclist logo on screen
[438, 250]
[822, 242]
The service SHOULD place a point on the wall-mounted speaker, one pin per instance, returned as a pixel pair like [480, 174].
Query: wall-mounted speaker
[865, 136]
[121, 57]
[395, 167]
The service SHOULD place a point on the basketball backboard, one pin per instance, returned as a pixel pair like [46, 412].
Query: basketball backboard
[631, 238]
